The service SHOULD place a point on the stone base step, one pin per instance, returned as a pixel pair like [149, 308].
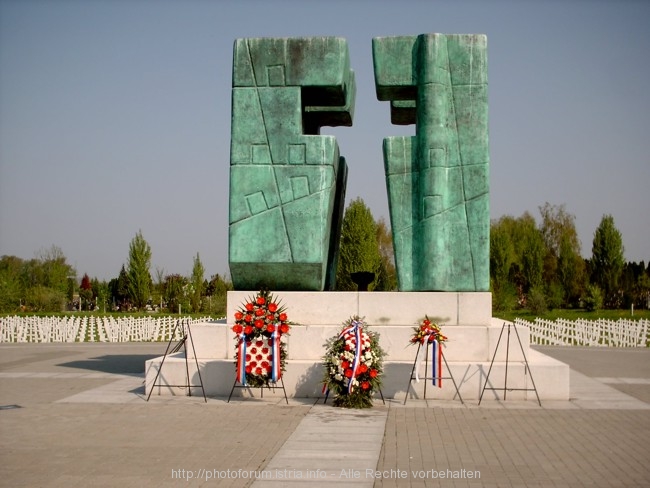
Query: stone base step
[303, 379]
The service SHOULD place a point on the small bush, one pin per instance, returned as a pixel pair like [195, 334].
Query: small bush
[504, 298]
[44, 299]
[554, 296]
[536, 301]
[594, 298]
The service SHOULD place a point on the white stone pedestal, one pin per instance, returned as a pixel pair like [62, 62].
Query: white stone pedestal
[466, 318]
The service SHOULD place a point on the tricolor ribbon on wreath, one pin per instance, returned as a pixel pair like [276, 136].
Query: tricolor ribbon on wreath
[241, 359]
[436, 360]
[353, 329]
[276, 367]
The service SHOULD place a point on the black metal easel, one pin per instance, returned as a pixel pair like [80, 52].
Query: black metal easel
[426, 362]
[268, 385]
[182, 343]
[505, 388]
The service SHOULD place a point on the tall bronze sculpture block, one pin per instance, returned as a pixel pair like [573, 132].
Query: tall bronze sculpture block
[287, 182]
[438, 180]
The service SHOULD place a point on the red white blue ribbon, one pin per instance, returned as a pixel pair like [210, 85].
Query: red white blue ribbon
[241, 359]
[354, 328]
[276, 369]
[350, 329]
[436, 363]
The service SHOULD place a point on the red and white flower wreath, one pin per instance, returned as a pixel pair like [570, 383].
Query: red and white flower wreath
[260, 352]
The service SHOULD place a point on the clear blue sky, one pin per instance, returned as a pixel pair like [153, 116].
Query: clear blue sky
[115, 116]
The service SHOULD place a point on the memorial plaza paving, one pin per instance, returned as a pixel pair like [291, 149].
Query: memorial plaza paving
[76, 415]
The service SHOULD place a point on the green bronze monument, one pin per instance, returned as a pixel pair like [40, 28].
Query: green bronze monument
[437, 180]
[287, 182]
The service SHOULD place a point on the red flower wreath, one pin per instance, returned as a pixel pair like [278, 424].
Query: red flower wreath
[427, 331]
[259, 326]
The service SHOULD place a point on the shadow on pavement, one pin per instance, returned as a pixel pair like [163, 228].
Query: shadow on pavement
[113, 363]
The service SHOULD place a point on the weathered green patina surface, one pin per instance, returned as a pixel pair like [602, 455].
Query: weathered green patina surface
[287, 182]
[438, 180]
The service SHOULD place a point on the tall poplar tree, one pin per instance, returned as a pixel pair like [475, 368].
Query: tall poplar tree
[197, 284]
[607, 259]
[138, 271]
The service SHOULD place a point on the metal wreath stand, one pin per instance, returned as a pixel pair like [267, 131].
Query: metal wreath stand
[182, 343]
[505, 388]
[426, 362]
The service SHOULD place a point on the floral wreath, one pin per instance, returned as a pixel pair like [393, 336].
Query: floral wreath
[427, 331]
[260, 352]
[353, 365]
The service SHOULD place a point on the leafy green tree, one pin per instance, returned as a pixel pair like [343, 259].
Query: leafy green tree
[359, 250]
[593, 298]
[504, 294]
[516, 259]
[101, 294]
[572, 273]
[158, 292]
[536, 301]
[138, 271]
[564, 269]
[627, 281]
[85, 292]
[528, 253]
[40, 284]
[387, 277]
[607, 260]
[119, 291]
[71, 289]
[175, 293]
[522, 232]
[54, 270]
[642, 291]
[633, 284]
[532, 258]
[502, 254]
[197, 280]
[217, 291]
[11, 290]
[41, 298]
[502, 258]
[218, 286]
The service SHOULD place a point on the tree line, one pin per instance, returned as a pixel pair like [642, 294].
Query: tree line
[533, 266]
[48, 283]
[540, 267]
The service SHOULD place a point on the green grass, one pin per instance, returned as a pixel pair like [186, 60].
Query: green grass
[574, 314]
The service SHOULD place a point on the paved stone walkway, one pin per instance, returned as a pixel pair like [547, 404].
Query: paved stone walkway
[76, 415]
